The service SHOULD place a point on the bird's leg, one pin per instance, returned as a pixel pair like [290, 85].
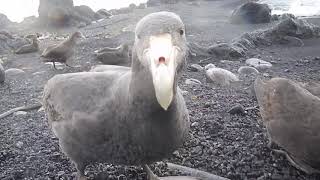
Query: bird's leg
[150, 174]
[80, 171]
[54, 65]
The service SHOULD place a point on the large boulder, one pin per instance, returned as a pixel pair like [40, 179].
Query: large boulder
[4, 21]
[63, 13]
[103, 13]
[85, 11]
[252, 13]
[226, 51]
[288, 31]
[8, 42]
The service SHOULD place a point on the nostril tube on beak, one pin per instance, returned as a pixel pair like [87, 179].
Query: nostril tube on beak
[162, 59]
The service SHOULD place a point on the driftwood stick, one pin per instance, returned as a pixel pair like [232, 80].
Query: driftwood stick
[195, 173]
[22, 108]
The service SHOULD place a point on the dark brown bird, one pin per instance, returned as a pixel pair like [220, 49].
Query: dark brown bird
[29, 48]
[114, 56]
[63, 51]
[291, 115]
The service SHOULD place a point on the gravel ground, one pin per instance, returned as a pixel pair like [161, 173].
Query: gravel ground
[233, 146]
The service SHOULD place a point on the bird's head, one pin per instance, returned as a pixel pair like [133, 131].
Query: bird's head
[160, 47]
[77, 35]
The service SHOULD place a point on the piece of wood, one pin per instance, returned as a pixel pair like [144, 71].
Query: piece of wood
[22, 108]
[194, 173]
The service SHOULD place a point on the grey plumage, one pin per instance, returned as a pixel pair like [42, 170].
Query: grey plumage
[112, 115]
[291, 115]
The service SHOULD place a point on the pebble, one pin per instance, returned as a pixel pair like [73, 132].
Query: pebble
[196, 68]
[221, 76]
[14, 72]
[1, 62]
[209, 66]
[247, 70]
[258, 63]
[184, 93]
[194, 124]
[317, 58]
[193, 82]
[19, 144]
[237, 109]
[61, 173]
[20, 113]
[2, 74]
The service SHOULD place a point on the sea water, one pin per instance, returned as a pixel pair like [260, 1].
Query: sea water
[295, 7]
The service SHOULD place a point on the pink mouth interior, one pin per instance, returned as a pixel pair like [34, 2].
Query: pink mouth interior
[162, 60]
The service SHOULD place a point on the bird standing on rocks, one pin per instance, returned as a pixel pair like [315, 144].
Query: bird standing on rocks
[126, 116]
[292, 118]
[29, 48]
[63, 51]
[114, 56]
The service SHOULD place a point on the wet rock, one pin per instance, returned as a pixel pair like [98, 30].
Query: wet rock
[298, 28]
[247, 70]
[209, 66]
[14, 72]
[258, 63]
[221, 76]
[196, 68]
[237, 109]
[2, 74]
[251, 13]
[226, 51]
[193, 82]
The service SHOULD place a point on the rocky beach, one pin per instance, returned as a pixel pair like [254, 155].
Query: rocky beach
[227, 136]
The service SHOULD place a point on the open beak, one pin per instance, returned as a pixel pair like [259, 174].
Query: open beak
[162, 55]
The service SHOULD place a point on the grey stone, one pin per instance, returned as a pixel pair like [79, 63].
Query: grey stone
[192, 82]
[14, 72]
[237, 109]
[251, 13]
[196, 68]
[20, 113]
[226, 51]
[19, 144]
[221, 76]
[247, 70]
[258, 63]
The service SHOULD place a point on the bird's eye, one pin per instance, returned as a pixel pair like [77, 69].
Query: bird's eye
[181, 32]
